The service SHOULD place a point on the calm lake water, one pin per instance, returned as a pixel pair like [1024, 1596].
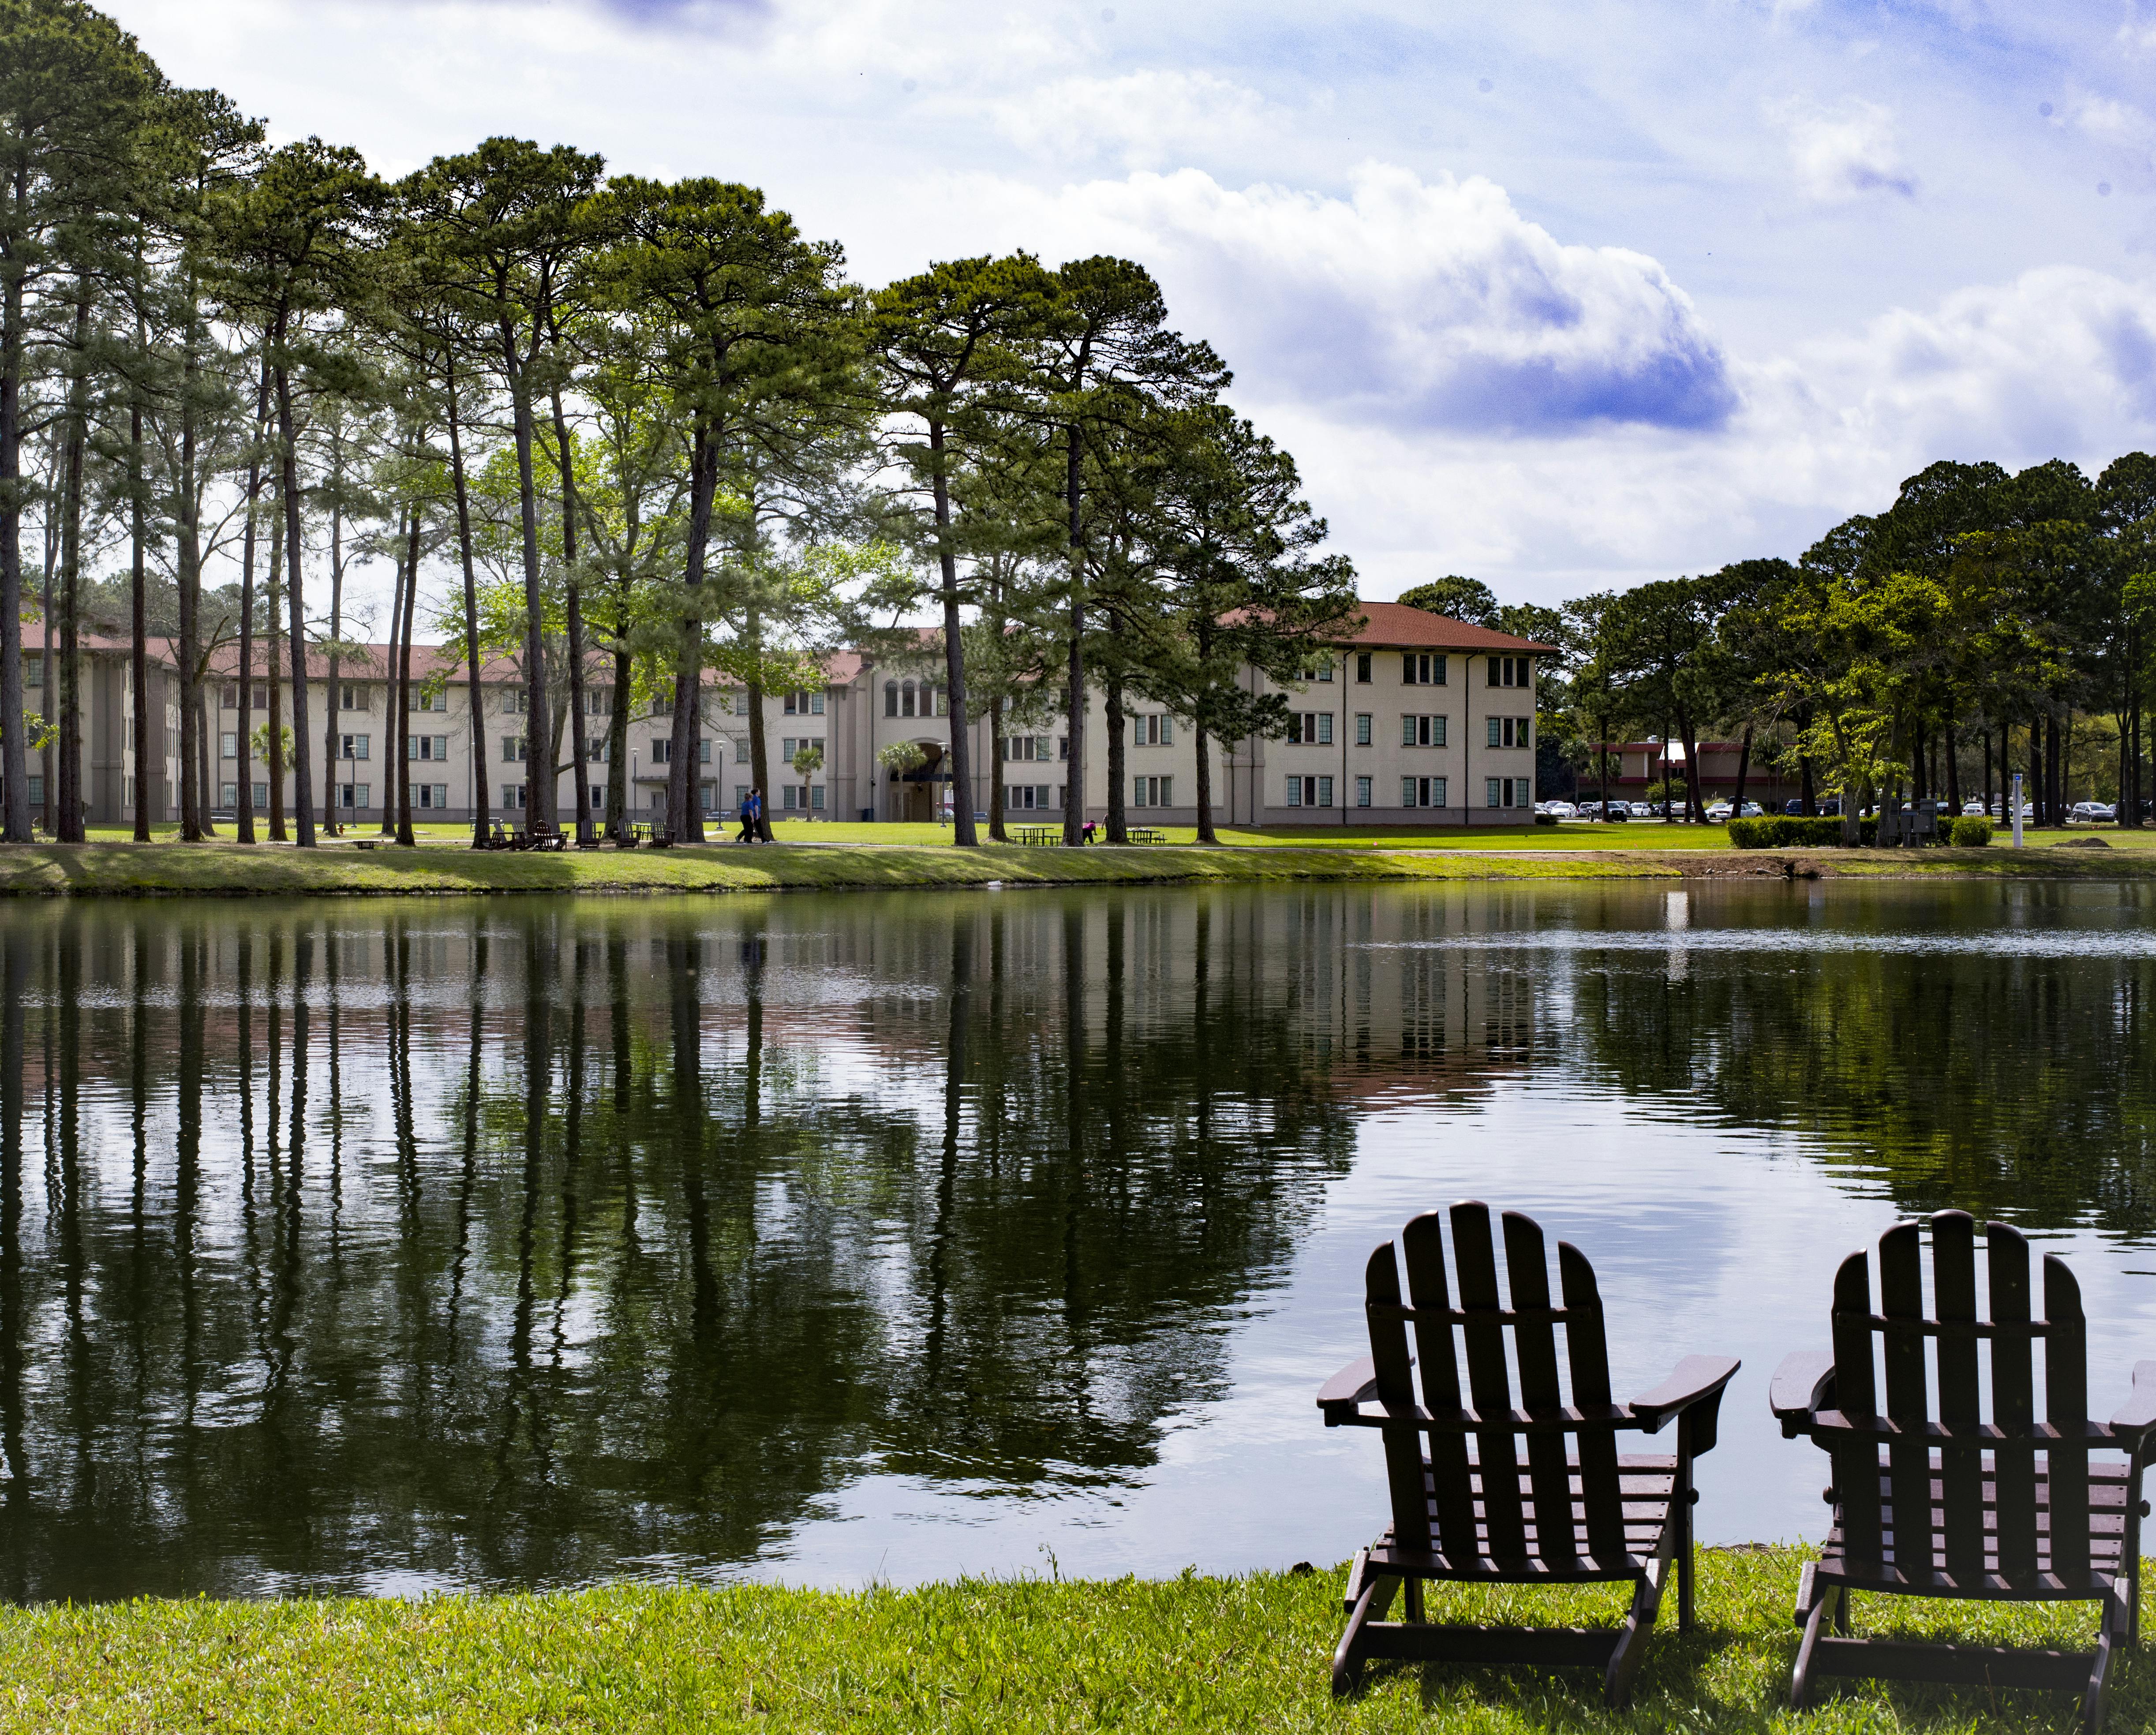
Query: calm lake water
[380, 1247]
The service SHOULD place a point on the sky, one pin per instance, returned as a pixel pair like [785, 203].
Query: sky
[1563, 297]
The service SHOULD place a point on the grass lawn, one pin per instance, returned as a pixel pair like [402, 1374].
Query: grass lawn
[235, 869]
[1246, 1654]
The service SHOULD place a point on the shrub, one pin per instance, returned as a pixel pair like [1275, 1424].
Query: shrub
[1969, 832]
[1784, 832]
[1545, 819]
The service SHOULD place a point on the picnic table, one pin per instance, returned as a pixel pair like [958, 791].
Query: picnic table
[1146, 834]
[1038, 836]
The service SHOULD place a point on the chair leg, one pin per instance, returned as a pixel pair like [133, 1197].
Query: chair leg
[1630, 1650]
[1829, 1602]
[1347, 1660]
[2117, 1622]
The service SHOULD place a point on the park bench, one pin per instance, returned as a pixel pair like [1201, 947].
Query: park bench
[1146, 834]
[1996, 1507]
[1037, 836]
[1573, 1512]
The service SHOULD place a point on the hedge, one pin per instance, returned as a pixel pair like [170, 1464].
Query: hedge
[1969, 832]
[1781, 833]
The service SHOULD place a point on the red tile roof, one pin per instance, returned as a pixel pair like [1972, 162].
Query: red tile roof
[1396, 626]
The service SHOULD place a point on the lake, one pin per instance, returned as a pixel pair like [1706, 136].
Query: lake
[390, 1246]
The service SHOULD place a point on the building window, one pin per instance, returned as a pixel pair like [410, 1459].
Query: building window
[1362, 728]
[512, 753]
[890, 698]
[1511, 671]
[703, 750]
[598, 797]
[354, 797]
[1310, 791]
[512, 701]
[1326, 673]
[1309, 728]
[1362, 791]
[597, 749]
[228, 697]
[1422, 731]
[803, 704]
[1512, 732]
[512, 795]
[1152, 792]
[350, 696]
[419, 699]
[1152, 730]
[228, 744]
[261, 797]
[599, 700]
[815, 797]
[1496, 788]
[353, 747]
[708, 797]
[1362, 667]
[1421, 669]
[230, 794]
[790, 794]
[1423, 792]
[906, 699]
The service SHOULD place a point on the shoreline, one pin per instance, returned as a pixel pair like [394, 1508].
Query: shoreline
[1237, 1652]
[230, 871]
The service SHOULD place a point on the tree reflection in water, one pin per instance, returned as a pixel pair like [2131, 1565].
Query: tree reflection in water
[487, 1245]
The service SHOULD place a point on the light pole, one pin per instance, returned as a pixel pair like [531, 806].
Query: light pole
[2017, 809]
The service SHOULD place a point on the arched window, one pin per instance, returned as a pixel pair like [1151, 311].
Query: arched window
[905, 704]
[890, 698]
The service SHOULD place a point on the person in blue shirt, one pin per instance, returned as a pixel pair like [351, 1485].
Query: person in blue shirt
[752, 809]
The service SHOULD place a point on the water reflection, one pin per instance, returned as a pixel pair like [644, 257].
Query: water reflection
[386, 1245]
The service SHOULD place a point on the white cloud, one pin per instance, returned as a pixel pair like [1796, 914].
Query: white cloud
[1410, 303]
[1844, 153]
[1141, 120]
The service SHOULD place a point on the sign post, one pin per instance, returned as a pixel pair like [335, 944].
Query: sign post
[2017, 809]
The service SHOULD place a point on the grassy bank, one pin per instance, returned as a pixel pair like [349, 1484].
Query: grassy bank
[1191, 1653]
[231, 869]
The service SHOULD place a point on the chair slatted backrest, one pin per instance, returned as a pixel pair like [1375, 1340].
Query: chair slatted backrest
[1500, 1532]
[2029, 1540]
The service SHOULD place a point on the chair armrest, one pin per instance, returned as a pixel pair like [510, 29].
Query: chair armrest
[2139, 1413]
[1696, 1379]
[1798, 1388]
[1351, 1387]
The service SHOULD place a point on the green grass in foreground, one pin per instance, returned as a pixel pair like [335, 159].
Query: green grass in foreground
[1008, 1657]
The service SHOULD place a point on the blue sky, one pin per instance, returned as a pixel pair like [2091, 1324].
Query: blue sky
[1564, 297]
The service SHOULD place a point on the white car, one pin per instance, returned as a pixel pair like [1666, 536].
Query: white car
[1717, 812]
[1558, 809]
[1647, 810]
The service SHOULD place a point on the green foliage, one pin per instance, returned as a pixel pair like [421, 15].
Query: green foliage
[1968, 831]
[1784, 832]
[1458, 599]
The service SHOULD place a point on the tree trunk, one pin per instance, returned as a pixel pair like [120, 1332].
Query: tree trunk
[1744, 769]
[138, 604]
[275, 743]
[402, 762]
[196, 795]
[1119, 819]
[295, 597]
[1954, 770]
[67, 828]
[1074, 798]
[683, 823]
[475, 692]
[396, 699]
[1807, 793]
[996, 783]
[1206, 834]
[243, 793]
[14, 755]
[582, 778]
[1987, 774]
[333, 764]
[539, 802]
[759, 753]
[618, 792]
[954, 659]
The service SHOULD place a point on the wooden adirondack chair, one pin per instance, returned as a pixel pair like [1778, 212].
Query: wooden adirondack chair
[1959, 1505]
[1470, 1509]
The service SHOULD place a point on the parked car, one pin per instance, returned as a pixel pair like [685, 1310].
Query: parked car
[1972, 810]
[2091, 812]
[1752, 810]
[1718, 813]
[1645, 810]
[1558, 809]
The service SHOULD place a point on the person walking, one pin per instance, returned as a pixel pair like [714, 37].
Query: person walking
[749, 808]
